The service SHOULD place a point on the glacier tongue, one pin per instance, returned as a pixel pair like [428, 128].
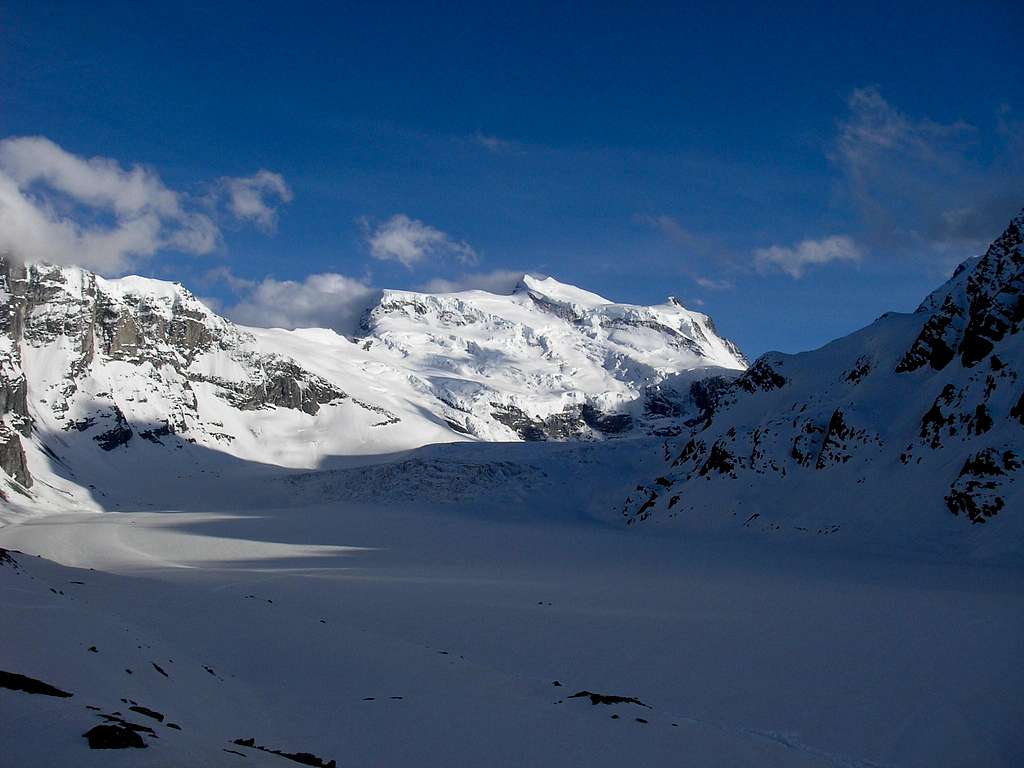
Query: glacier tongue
[127, 373]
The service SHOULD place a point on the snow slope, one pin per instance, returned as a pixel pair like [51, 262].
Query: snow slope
[445, 610]
[124, 374]
[548, 347]
[910, 430]
[281, 568]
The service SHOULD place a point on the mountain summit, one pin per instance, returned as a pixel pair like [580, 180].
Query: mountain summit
[94, 369]
[910, 427]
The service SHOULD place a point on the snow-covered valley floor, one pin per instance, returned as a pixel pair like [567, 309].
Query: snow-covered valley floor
[394, 615]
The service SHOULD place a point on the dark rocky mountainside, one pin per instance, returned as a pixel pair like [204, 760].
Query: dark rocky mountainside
[915, 422]
[59, 326]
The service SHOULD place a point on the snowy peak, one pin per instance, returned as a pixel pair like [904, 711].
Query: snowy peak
[545, 308]
[980, 304]
[548, 360]
[100, 374]
[91, 364]
[910, 429]
[549, 289]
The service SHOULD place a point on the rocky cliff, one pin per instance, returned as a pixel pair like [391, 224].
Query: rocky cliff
[92, 366]
[917, 421]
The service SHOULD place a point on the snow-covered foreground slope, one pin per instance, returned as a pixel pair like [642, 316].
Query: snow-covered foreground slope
[387, 615]
[135, 374]
[910, 430]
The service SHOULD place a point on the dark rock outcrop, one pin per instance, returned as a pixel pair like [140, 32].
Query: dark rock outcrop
[761, 377]
[161, 329]
[15, 682]
[111, 736]
[573, 423]
[607, 699]
[982, 304]
[304, 758]
[915, 412]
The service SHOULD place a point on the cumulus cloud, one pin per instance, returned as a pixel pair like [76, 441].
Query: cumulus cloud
[410, 241]
[53, 204]
[794, 260]
[99, 181]
[59, 207]
[326, 300]
[250, 198]
[501, 281]
[330, 300]
[919, 184]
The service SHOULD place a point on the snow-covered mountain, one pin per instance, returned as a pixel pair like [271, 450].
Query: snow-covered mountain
[911, 428]
[96, 372]
[549, 360]
[462, 594]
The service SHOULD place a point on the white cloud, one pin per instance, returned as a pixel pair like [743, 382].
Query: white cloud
[668, 226]
[213, 303]
[712, 284]
[700, 253]
[874, 125]
[58, 207]
[493, 143]
[327, 300]
[501, 281]
[410, 241]
[795, 260]
[921, 185]
[227, 276]
[330, 300]
[52, 205]
[247, 197]
[98, 182]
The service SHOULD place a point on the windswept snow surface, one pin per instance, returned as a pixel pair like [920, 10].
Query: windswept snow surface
[418, 611]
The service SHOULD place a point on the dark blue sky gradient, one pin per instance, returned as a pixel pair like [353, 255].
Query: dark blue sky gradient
[725, 118]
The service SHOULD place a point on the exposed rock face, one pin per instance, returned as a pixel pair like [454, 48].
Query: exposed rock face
[915, 417]
[99, 372]
[12, 457]
[550, 361]
[761, 377]
[978, 490]
[969, 315]
[15, 421]
[113, 737]
[575, 422]
[86, 336]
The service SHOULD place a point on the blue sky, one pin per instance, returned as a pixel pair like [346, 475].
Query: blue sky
[792, 171]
